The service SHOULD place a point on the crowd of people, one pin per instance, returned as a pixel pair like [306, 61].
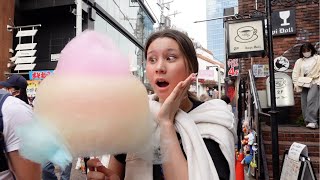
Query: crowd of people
[197, 136]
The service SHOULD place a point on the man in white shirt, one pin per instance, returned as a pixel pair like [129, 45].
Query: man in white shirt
[15, 112]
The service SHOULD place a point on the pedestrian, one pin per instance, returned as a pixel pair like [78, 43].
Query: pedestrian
[14, 113]
[204, 97]
[16, 85]
[48, 172]
[196, 139]
[227, 100]
[306, 80]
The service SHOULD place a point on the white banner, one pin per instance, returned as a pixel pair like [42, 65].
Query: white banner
[24, 60]
[25, 67]
[26, 53]
[26, 33]
[26, 46]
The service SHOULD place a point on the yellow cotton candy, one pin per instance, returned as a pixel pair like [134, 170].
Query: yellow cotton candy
[96, 115]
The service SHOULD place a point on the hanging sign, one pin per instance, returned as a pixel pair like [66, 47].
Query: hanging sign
[245, 38]
[23, 33]
[23, 60]
[283, 22]
[39, 75]
[206, 74]
[281, 64]
[26, 46]
[25, 55]
[55, 57]
[233, 67]
[28, 67]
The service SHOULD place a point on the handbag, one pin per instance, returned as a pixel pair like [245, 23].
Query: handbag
[304, 82]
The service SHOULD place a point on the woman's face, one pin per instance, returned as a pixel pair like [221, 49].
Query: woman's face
[306, 53]
[166, 66]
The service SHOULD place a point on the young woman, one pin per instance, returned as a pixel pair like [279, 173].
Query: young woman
[308, 65]
[196, 138]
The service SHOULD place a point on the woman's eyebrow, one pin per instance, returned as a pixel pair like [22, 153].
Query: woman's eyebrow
[150, 52]
[172, 50]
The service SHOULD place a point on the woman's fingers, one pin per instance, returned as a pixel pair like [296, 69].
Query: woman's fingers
[109, 173]
[98, 171]
[182, 87]
[93, 164]
[186, 85]
[176, 91]
[94, 175]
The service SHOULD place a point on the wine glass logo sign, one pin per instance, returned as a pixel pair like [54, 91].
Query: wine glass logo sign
[246, 34]
[284, 15]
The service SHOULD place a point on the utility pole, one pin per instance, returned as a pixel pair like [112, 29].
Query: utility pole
[165, 21]
[273, 113]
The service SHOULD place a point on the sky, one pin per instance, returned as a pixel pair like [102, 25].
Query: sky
[189, 11]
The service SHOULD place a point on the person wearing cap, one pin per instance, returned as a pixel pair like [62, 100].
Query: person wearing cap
[16, 85]
[15, 113]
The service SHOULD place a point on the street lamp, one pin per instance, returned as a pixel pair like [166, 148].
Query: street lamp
[219, 78]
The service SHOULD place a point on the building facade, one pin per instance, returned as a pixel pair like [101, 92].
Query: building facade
[127, 23]
[209, 80]
[306, 19]
[215, 29]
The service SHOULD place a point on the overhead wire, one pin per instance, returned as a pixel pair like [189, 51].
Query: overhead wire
[152, 11]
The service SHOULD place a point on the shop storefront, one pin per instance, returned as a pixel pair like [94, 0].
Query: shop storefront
[127, 23]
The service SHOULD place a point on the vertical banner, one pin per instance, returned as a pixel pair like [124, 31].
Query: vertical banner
[32, 89]
[233, 67]
[35, 78]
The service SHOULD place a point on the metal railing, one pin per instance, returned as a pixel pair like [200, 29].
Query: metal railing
[263, 171]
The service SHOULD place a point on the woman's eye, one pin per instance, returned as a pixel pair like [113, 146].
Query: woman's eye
[171, 58]
[152, 60]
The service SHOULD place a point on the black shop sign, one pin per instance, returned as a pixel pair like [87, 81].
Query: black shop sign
[284, 22]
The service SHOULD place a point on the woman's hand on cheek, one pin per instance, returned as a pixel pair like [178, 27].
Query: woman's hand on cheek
[171, 105]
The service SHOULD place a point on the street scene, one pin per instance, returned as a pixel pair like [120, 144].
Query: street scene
[159, 89]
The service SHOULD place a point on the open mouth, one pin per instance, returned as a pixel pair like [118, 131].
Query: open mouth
[162, 83]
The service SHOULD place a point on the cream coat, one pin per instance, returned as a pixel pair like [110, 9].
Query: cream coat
[299, 72]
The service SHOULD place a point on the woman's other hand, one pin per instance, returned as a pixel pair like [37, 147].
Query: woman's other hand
[100, 172]
[171, 105]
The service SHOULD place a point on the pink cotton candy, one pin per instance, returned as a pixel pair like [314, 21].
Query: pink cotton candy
[92, 53]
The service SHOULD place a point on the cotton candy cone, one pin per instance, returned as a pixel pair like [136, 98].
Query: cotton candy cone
[239, 167]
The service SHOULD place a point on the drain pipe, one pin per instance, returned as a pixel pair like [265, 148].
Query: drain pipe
[78, 16]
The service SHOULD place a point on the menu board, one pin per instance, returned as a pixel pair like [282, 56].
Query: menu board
[296, 164]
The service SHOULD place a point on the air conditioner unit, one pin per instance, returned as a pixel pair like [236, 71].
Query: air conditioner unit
[230, 11]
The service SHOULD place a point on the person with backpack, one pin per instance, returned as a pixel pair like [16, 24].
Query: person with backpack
[13, 113]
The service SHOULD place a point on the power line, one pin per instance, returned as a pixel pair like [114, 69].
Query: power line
[152, 11]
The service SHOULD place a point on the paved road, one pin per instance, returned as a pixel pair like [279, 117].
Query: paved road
[75, 174]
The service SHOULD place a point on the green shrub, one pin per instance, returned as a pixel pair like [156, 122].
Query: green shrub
[300, 121]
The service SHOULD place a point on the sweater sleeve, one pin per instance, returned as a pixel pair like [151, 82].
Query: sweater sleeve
[296, 71]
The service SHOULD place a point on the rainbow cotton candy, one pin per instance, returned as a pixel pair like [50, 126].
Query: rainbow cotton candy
[91, 105]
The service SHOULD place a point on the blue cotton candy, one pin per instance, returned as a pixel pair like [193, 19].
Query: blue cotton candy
[40, 144]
